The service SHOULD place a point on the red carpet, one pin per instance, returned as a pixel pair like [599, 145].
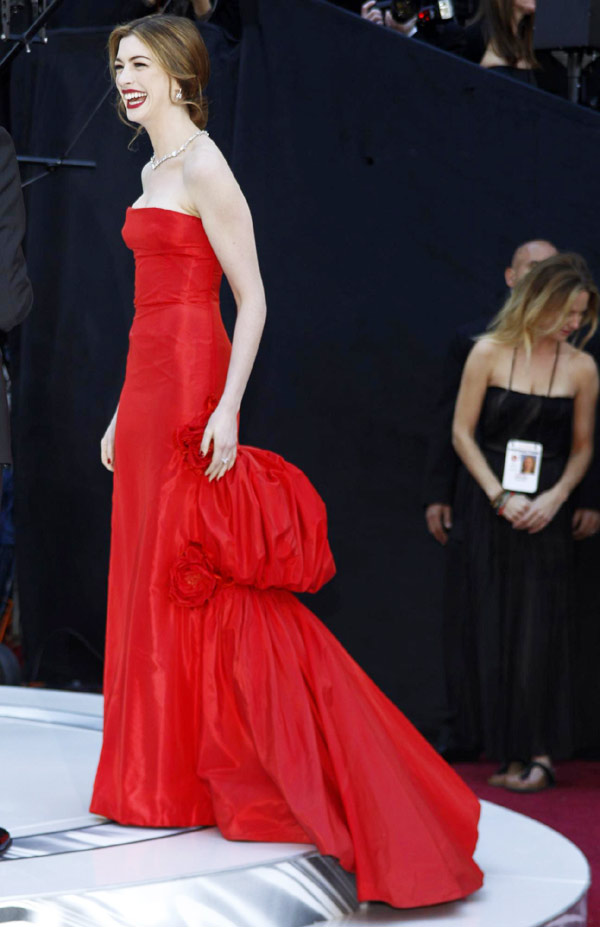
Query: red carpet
[572, 808]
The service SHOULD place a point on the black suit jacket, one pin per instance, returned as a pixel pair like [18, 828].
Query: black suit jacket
[442, 466]
[15, 289]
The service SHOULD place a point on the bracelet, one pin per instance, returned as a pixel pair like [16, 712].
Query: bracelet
[502, 506]
[500, 500]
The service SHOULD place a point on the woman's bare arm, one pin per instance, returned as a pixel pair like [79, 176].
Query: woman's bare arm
[547, 504]
[473, 386]
[218, 200]
[584, 413]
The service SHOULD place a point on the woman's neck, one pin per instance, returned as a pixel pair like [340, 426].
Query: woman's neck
[545, 345]
[170, 132]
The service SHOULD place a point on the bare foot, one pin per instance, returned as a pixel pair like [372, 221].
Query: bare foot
[514, 768]
[537, 775]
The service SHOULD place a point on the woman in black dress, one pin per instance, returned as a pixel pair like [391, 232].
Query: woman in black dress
[524, 381]
[501, 38]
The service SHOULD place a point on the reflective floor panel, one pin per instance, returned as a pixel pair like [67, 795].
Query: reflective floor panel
[68, 868]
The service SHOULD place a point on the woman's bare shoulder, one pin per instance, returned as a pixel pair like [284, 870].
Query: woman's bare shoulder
[582, 364]
[209, 181]
[204, 162]
[487, 350]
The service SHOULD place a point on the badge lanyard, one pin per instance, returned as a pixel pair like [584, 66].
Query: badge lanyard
[523, 459]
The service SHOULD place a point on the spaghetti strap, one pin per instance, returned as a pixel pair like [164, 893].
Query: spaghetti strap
[554, 366]
[512, 368]
[552, 375]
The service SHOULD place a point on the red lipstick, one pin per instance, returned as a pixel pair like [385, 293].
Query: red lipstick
[134, 98]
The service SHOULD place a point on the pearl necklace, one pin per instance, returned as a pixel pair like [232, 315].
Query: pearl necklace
[173, 154]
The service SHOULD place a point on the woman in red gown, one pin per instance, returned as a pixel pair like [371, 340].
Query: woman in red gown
[226, 701]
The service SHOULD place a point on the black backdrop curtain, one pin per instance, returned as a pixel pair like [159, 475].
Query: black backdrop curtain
[389, 184]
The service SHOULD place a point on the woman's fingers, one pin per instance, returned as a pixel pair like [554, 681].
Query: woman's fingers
[230, 460]
[539, 526]
[532, 521]
[222, 461]
[523, 521]
[519, 514]
[107, 454]
[206, 440]
[221, 432]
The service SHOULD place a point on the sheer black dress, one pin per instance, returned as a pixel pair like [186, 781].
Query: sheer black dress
[514, 692]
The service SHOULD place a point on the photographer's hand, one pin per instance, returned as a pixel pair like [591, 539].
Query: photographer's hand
[408, 28]
[367, 12]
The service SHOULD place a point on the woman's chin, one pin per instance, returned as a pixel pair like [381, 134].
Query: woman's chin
[134, 114]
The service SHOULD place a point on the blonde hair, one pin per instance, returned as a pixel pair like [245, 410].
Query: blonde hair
[181, 53]
[541, 301]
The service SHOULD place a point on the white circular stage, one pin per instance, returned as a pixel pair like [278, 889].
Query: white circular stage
[67, 867]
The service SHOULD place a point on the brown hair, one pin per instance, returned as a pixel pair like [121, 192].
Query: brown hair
[511, 46]
[180, 51]
[541, 301]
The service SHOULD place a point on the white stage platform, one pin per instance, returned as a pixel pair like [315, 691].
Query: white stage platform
[68, 868]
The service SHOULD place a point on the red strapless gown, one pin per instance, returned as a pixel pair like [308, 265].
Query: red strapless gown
[226, 701]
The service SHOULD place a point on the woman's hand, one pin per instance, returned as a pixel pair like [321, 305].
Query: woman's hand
[516, 508]
[221, 432]
[107, 445]
[541, 512]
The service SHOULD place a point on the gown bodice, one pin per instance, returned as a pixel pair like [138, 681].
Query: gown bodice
[508, 414]
[174, 260]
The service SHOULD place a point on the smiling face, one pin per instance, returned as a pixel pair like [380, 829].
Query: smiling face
[144, 86]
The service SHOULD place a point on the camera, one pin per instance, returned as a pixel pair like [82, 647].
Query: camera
[426, 13]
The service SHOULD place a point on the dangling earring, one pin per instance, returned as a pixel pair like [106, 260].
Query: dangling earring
[178, 95]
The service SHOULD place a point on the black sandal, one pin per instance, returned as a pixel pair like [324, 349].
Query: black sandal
[547, 783]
